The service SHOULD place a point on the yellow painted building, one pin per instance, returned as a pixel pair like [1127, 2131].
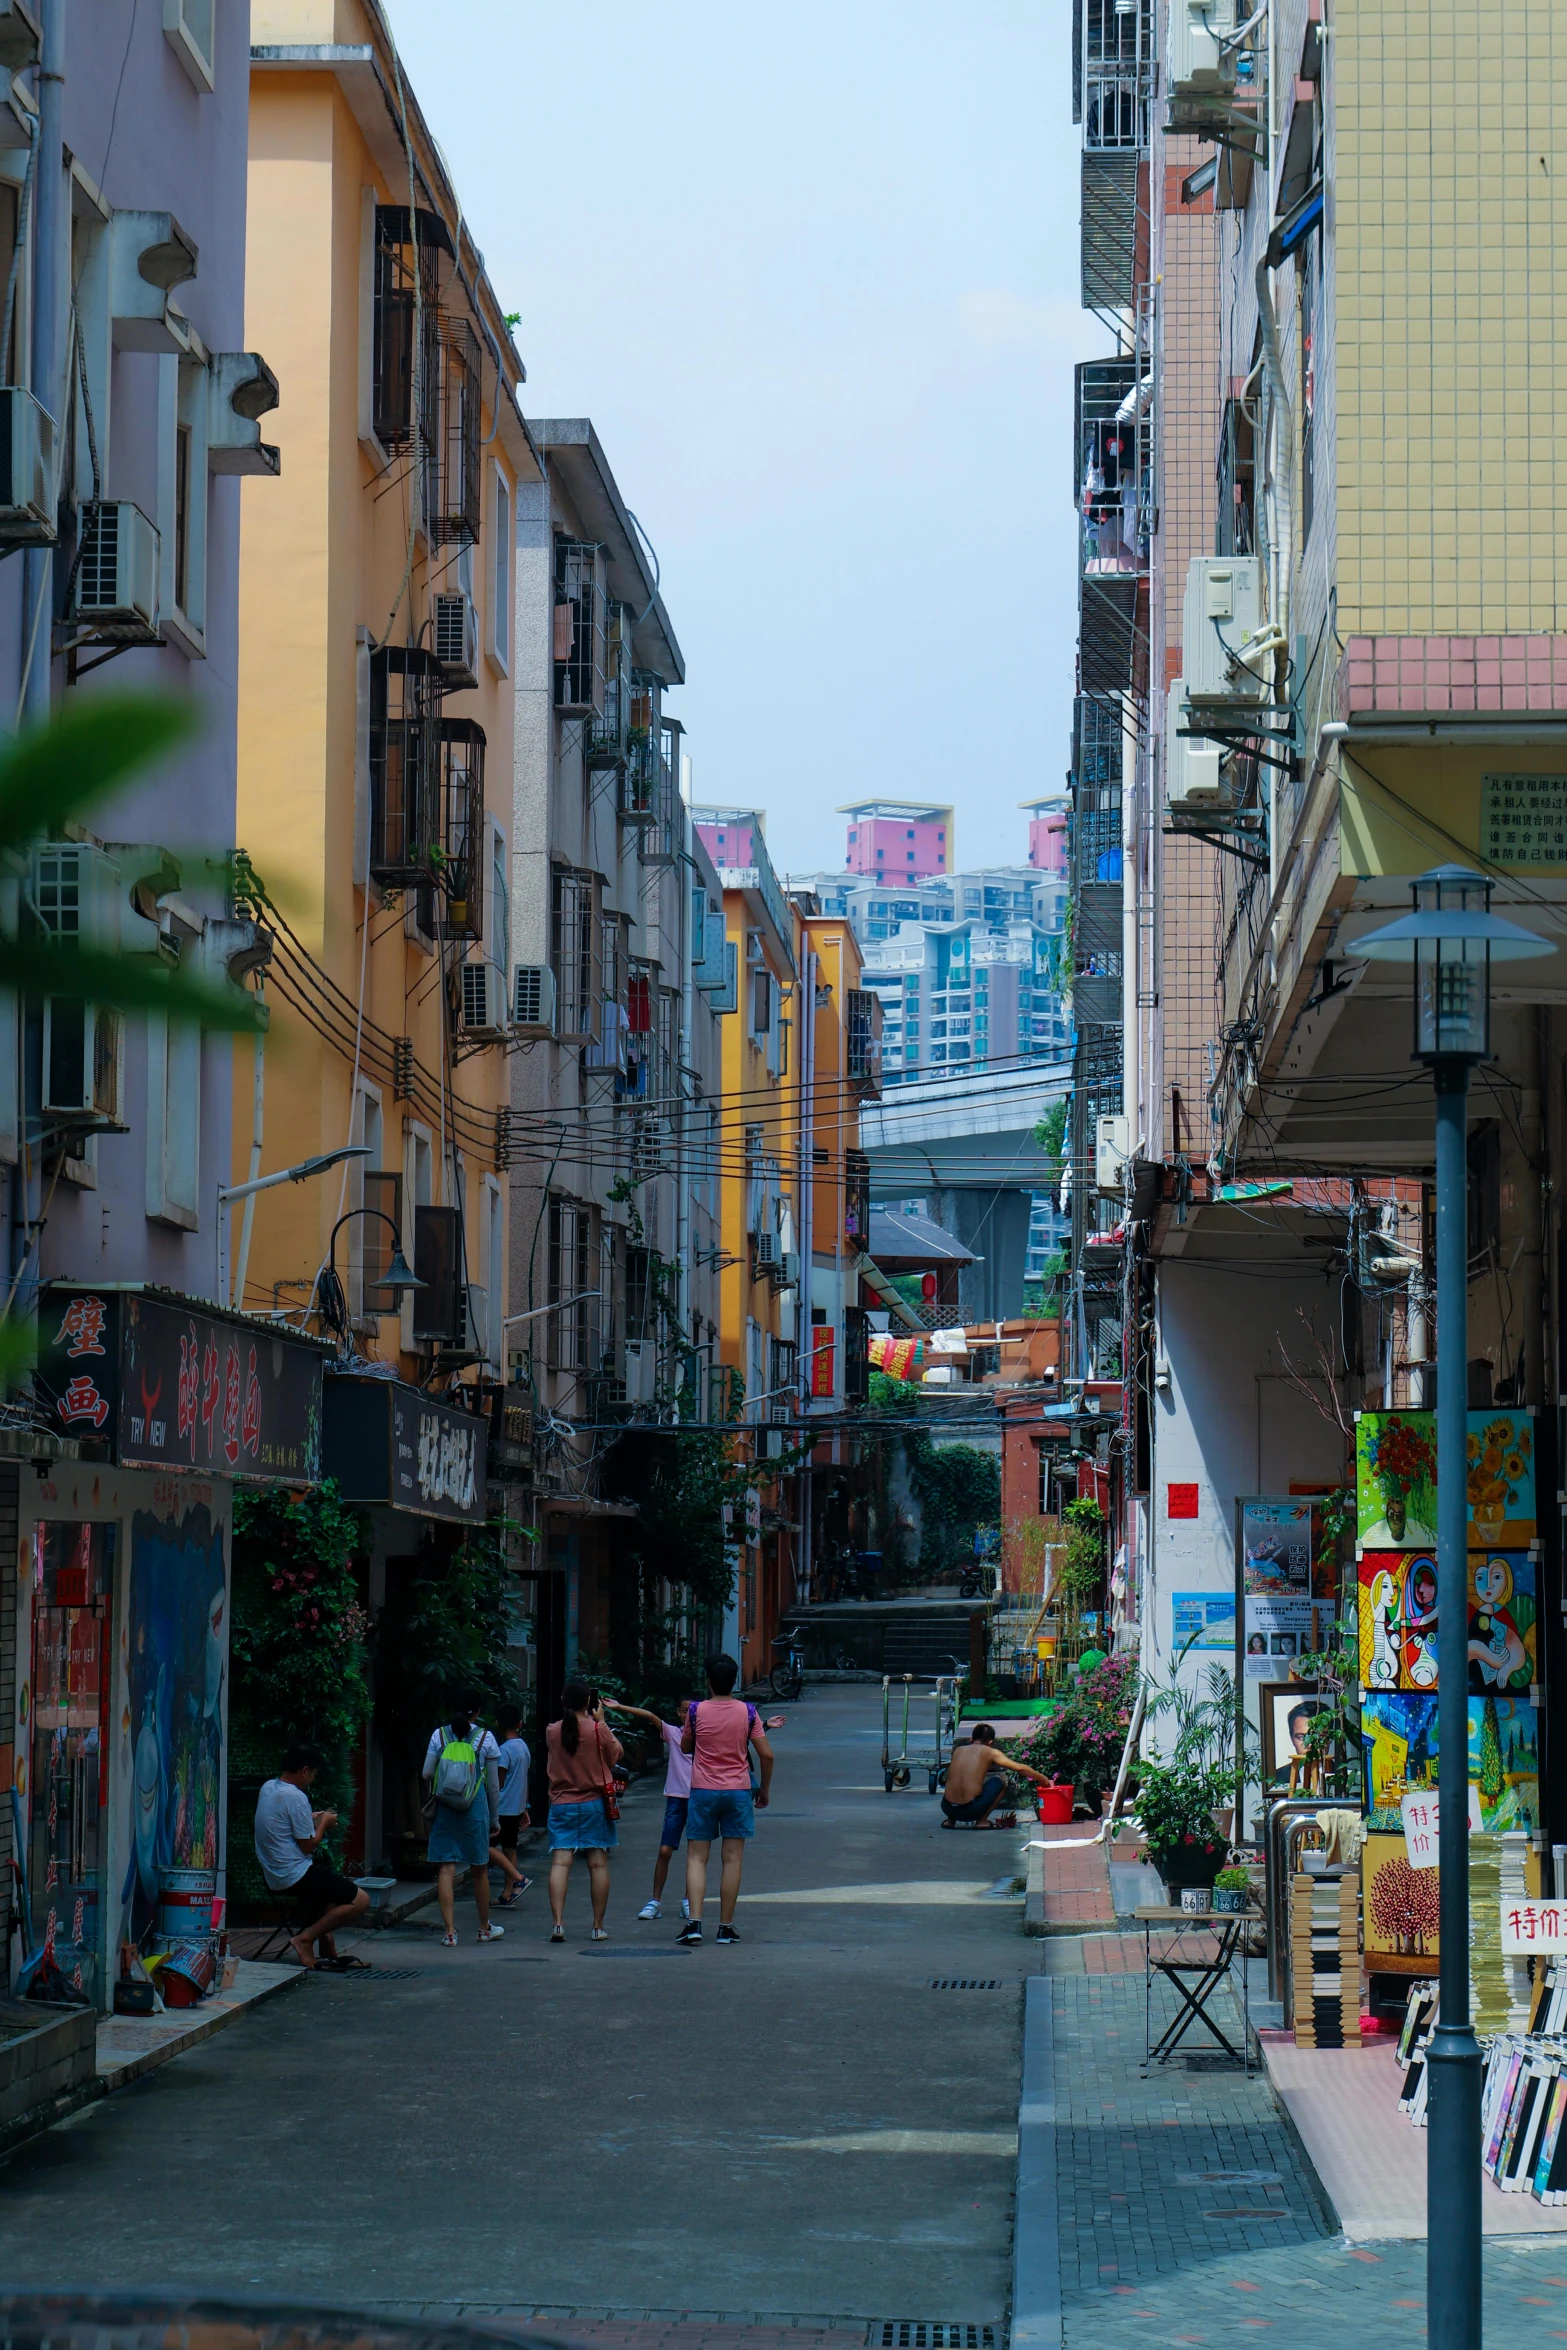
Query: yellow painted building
[376, 702]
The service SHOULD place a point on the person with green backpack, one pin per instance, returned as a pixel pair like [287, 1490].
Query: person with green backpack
[465, 1789]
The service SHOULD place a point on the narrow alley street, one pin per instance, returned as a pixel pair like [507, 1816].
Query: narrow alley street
[798, 2124]
[802, 2138]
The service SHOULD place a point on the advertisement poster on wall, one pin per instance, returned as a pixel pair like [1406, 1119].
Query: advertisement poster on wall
[1277, 1615]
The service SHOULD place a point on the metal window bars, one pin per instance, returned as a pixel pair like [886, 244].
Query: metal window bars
[581, 628]
[460, 846]
[1117, 74]
[452, 498]
[640, 776]
[661, 834]
[609, 730]
[571, 950]
[406, 683]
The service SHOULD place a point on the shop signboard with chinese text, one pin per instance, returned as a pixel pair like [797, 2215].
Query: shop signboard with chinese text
[165, 1383]
[389, 1446]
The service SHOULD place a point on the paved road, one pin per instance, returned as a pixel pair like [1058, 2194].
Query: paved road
[798, 2126]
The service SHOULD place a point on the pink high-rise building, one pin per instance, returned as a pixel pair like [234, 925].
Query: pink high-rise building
[1047, 835]
[727, 834]
[899, 840]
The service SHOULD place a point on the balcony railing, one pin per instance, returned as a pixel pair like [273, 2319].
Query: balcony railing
[1117, 75]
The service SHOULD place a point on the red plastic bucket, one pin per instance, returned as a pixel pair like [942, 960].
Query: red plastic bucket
[1054, 1806]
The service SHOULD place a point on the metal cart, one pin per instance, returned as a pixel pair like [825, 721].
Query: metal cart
[894, 1767]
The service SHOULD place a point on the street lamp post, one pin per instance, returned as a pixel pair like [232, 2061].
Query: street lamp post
[399, 1276]
[1452, 938]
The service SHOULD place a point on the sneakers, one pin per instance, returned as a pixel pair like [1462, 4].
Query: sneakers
[727, 1934]
[490, 1934]
[691, 1932]
[557, 1933]
[448, 1941]
[685, 1909]
[650, 1909]
[599, 1934]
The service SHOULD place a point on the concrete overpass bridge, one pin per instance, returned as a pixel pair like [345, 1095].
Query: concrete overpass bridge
[965, 1144]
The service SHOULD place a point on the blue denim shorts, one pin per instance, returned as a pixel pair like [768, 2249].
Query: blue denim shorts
[581, 1827]
[720, 1811]
[675, 1809]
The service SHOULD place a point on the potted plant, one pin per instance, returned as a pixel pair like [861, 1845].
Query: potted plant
[1232, 1889]
[1176, 1802]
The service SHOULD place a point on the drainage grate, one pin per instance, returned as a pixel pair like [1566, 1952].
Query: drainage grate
[957, 1983]
[926, 2333]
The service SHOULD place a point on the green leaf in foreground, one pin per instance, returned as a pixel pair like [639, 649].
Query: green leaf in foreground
[126, 983]
[92, 744]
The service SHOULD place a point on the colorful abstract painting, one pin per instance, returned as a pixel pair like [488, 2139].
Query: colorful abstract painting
[1503, 1622]
[1398, 1619]
[1399, 1740]
[172, 1727]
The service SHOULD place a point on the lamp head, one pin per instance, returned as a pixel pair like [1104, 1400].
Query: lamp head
[399, 1274]
[1452, 938]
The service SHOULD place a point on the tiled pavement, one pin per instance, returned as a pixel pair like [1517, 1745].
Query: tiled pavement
[1077, 1884]
[1187, 2212]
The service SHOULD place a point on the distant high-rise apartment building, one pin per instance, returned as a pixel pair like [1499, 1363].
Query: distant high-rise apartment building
[905, 840]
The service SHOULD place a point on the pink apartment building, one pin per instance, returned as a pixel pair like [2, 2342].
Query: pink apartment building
[899, 840]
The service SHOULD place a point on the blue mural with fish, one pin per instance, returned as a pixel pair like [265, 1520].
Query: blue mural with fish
[176, 1659]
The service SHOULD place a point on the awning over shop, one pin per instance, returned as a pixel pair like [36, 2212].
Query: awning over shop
[389, 1447]
[161, 1381]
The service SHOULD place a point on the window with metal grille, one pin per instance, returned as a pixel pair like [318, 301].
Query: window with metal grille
[452, 512]
[571, 950]
[856, 1199]
[405, 793]
[459, 848]
[407, 337]
[571, 1328]
[581, 645]
[609, 732]
[862, 1038]
[856, 1354]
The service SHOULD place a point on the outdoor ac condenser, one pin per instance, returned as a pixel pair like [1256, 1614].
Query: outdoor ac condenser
[1197, 775]
[1196, 64]
[1221, 613]
[533, 999]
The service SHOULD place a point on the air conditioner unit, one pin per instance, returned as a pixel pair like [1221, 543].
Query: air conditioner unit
[116, 595]
[483, 1011]
[455, 636]
[27, 486]
[533, 999]
[1196, 63]
[766, 1247]
[641, 1371]
[1197, 773]
[1111, 1147]
[789, 1269]
[1221, 619]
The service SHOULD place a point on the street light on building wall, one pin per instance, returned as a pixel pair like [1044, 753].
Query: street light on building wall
[1452, 938]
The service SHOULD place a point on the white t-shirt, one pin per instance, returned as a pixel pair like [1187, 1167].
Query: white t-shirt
[283, 1818]
[677, 1779]
[514, 1760]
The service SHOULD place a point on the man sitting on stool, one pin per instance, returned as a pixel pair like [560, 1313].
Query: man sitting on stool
[975, 1780]
[287, 1834]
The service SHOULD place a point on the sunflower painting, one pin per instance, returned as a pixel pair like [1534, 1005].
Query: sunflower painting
[1501, 1479]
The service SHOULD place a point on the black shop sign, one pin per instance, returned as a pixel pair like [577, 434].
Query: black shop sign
[390, 1447]
[161, 1382]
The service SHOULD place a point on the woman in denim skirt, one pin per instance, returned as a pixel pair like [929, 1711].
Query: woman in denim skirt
[580, 1755]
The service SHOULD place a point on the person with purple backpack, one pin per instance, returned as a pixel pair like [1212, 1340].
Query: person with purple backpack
[719, 1734]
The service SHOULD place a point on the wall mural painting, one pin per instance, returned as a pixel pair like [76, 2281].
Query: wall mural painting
[172, 1725]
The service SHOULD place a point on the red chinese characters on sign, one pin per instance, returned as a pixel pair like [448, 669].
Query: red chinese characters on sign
[81, 1401]
[231, 1400]
[1533, 1925]
[1180, 1501]
[211, 1390]
[189, 1388]
[83, 1326]
[250, 1425]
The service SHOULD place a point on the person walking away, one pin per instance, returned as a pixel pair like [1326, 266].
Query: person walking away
[514, 1762]
[976, 1778]
[465, 1783]
[677, 1797]
[718, 1735]
[580, 1754]
[288, 1833]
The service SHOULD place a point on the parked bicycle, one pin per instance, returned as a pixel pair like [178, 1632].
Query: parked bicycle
[788, 1675]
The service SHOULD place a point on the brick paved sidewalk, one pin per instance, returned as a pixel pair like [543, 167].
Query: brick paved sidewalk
[1188, 2214]
[1076, 1882]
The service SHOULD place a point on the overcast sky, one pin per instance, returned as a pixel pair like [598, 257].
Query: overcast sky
[813, 274]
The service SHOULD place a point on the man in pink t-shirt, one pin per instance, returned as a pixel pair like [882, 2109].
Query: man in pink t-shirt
[718, 1736]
